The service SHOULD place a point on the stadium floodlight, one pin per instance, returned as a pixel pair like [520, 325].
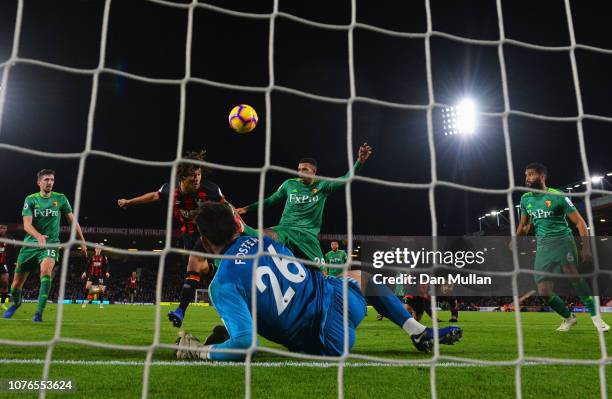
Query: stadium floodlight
[460, 119]
[506, 209]
[602, 220]
[609, 174]
[466, 116]
[569, 188]
[577, 185]
[596, 179]
[584, 183]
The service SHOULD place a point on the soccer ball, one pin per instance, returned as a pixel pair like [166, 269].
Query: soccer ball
[243, 118]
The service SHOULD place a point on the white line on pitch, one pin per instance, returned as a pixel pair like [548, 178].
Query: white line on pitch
[242, 364]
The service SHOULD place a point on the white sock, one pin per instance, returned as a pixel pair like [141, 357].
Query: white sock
[413, 327]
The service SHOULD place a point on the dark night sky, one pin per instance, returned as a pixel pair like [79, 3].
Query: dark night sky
[47, 109]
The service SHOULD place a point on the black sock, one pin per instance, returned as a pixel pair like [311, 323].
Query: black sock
[3, 297]
[188, 291]
[101, 296]
[85, 295]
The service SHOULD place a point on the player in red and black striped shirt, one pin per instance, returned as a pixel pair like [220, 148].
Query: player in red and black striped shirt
[193, 189]
[4, 272]
[132, 286]
[96, 271]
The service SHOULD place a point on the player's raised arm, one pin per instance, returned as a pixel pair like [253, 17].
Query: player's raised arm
[153, 196]
[362, 156]
[278, 196]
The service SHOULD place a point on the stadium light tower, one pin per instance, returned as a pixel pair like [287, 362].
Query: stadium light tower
[598, 180]
[460, 119]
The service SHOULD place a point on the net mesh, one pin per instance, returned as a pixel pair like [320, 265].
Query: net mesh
[437, 358]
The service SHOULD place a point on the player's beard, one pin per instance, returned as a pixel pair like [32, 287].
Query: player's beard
[536, 184]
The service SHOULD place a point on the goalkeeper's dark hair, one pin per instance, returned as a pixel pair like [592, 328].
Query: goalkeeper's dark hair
[184, 169]
[311, 161]
[216, 222]
[44, 172]
[538, 167]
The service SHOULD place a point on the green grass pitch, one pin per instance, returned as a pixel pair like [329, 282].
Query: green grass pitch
[108, 373]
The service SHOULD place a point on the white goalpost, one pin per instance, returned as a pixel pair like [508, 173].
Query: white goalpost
[341, 362]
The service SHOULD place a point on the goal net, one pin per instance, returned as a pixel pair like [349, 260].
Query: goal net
[348, 103]
[201, 296]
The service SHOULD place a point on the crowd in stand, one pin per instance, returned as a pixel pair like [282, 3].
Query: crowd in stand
[117, 288]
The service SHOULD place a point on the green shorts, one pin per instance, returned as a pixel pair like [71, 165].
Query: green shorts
[553, 253]
[30, 258]
[332, 271]
[304, 244]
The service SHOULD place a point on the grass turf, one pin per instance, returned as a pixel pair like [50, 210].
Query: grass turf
[487, 336]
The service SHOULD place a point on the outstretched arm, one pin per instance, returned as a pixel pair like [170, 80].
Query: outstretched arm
[362, 156]
[278, 196]
[143, 199]
[235, 314]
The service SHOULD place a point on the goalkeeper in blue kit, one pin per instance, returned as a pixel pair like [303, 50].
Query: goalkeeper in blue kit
[296, 306]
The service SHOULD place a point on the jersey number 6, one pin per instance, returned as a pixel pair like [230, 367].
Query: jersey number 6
[282, 264]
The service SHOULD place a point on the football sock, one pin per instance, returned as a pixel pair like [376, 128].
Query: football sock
[3, 297]
[101, 296]
[558, 306]
[454, 308]
[188, 291]
[16, 296]
[584, 292]
[387, 304]
[43, 293]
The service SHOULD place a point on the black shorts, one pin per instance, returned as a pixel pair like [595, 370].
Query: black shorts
[193, 243]
[417, 303]
[452, 301]
[190, 242]
[96, 280]
[3, 269]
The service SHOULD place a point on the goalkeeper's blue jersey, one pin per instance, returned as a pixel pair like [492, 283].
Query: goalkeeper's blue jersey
[290, 298]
